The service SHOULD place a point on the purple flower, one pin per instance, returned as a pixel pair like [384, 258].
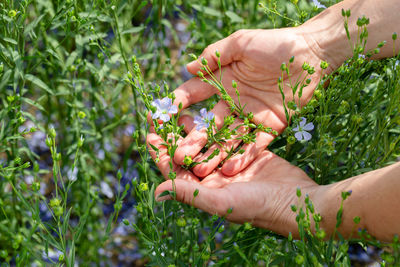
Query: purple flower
[318, 4]
[302, 128]
[164, 107]
[203, 121]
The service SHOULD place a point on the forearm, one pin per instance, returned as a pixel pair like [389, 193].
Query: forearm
[327, 36]
[374, 198]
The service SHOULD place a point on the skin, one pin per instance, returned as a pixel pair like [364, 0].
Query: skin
[258, 185]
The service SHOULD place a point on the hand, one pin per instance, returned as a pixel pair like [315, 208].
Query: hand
[261, 194]
[252, 58]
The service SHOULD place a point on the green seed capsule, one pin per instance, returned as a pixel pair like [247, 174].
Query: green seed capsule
[81, 115]
[35, 186]
[55, 202]
[204, 61]
[143, 187]
[181, 222]
[52, 133]
[58, 211]
[12, 13]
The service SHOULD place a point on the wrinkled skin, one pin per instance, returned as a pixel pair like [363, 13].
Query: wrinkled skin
[261, 194]
[252, 58]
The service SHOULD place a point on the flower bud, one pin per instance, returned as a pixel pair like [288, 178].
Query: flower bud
[318, 94]
[181, 222]
[12, 13]
[324, 65]
[298, 192]
[49, 142]
[299, 259]
[217, 54]
[234, 84]
[80, 142]
[81, 115]
[394, 37]
[55, 202]
[52, 133]
[320, 234]
[118, 205]
[143, 187]
[187, 160]
[292, 105]
[36, 186]
[291, 140]
[293, 208]
[193, 56]
[283, 66]
[381, 44]
[204, 61]
[18, 160]
[58, 211]
[139, 207]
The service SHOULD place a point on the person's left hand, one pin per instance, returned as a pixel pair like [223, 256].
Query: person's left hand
[260, 194]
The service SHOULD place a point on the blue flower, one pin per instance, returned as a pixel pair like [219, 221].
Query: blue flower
[318, 4]
[302, 128]
[203, 121]
[164, 107]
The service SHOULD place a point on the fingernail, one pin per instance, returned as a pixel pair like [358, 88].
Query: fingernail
[190, 64]
[163, 198]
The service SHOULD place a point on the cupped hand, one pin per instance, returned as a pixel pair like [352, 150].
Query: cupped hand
[253, 59]
[261, 194]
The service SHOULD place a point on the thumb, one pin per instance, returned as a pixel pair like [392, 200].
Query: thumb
[211, 200]
[228, 48]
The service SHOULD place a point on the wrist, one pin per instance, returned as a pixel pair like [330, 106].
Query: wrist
[326, 36]
[328, 201]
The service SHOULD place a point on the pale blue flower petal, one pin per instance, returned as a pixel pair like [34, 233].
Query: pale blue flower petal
[298, 136]
[318, 4]
[156, 115]
[156, 103]
[302, 122]
[203, 112]
[164, 117]
[308, 127]
[173, 109]
[200, 126]
[197, 119]
[166, 102]
[306, 135]
[209, 116]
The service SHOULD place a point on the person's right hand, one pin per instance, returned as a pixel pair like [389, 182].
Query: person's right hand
[253, 59]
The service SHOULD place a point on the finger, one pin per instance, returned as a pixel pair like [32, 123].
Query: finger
[162, 159]
[193, 91]
[228, 48]
[251, 151]
[211, 200]
[196, 140]
[187, 121]
[206, 168]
